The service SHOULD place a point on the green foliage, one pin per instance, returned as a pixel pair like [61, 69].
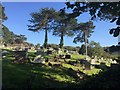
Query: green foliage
[98, 10]
[82, 49]
[83, 31]
[55, 46]
[42, 20]
[94, 49]
[3, 16]
[8, 37]
[11, 38]
[20, 38]
[63, 26]
[69, 48]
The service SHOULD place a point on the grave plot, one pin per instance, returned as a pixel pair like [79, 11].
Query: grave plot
[21, 57]
[85, 64]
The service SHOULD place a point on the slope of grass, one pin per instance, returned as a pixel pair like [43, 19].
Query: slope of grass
[77, 56]
[32, 76]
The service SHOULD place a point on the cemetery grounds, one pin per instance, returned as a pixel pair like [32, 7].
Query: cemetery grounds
[32, 75]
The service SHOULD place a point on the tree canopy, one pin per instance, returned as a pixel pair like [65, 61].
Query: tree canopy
[2, 13]
[42, 20]
[63, 26]
[107, 11]
[82, 30]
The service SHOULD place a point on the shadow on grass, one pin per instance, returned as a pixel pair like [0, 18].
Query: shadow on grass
[30, 77]
[37, 76]
[108, 79]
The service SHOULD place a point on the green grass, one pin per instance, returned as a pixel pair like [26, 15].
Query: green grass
[39, 76]
[75, 56]
[92, 71]
[18, 75]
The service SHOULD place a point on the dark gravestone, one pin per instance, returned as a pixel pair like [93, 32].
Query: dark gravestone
[56, 58]
[67, 56]
[56, 65]
[21, 56]
[62, 56]
[49, 64]
[4, 53]
[5, 45]
[46, 60]
[82, 61]
[86, 64]
[72, 62]
[103, 66]
[49, 52]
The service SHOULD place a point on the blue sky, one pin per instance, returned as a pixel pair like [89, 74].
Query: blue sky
[19, 13]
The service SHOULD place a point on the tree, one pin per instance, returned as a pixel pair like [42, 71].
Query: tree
[8, 37]
[109, 11]
[2, 18]
[20, 38]
[2, 13]
[95, 49]
[63, 26]
[42, 20]
[82, 49]
[84, 31]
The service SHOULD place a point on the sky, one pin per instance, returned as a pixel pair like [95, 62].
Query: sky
[18, 14]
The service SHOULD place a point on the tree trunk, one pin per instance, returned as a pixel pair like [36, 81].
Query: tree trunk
[46, 39]
[85, 45]
[61, 41]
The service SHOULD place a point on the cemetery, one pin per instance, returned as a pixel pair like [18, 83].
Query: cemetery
[68, 57]
[41, 65]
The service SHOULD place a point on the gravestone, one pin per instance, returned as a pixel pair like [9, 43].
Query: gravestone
[54, 64]
[4, 53]
[93, 61]
[40, 52]
[114, 62]
[103, 66]
[56, 58]
[51, 49]
[39, 59]
[62, 56]
[21, 56]
[65, 51]
[46, 60]
[59, 51]
[49, 52]
[72, 62]
[5, 45]
[86, 65]
[67, 56]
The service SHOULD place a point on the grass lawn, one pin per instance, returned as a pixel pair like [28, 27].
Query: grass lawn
[25, 76]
